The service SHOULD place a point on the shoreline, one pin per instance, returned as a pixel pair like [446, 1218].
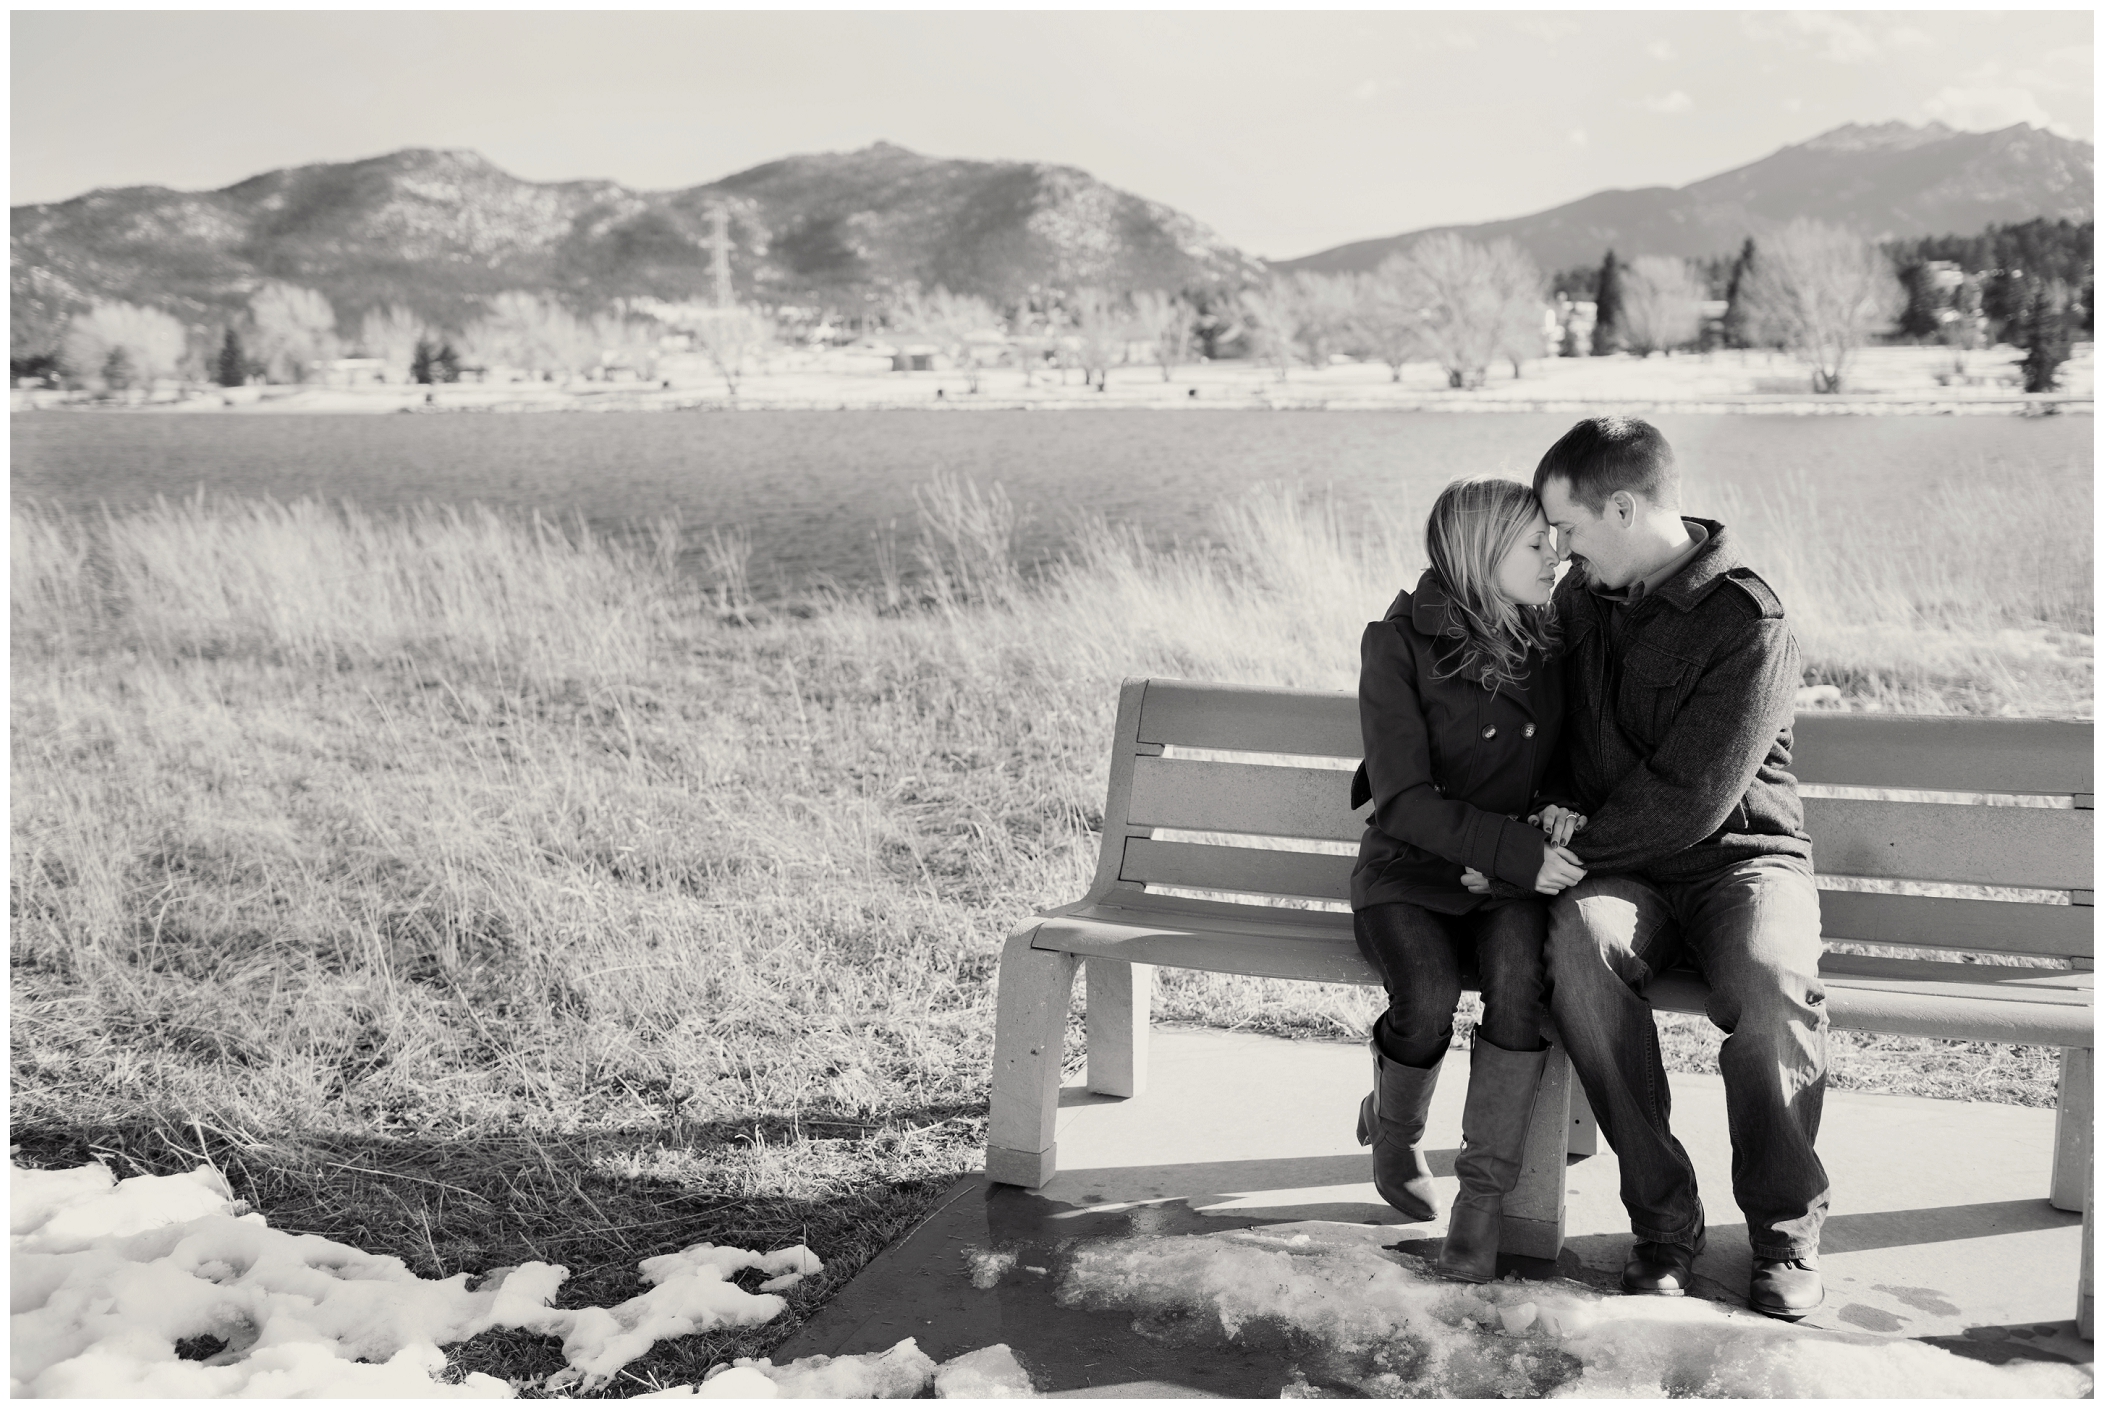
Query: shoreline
[1885, 381]
[571, 403]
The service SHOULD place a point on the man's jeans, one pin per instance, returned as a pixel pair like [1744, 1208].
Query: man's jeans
[1753, 932]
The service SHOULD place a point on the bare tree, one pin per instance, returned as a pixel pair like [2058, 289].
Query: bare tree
[1165, 322]
[1821, 291]
[123, 343]
[1268, 318]
[294, 328]
[1519, 292]
[1473, 304]
[957, 323]
[734, 338]
[391, 334]
[1321, 308]
[1661, 305]
[535, 334]
[1385, 318]
[1103, 331]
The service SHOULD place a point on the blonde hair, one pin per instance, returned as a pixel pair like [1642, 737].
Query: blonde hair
[1473, 524]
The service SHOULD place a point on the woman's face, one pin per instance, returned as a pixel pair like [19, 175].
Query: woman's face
[1527, 572]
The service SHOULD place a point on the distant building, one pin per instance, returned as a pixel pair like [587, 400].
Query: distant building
[350, 371]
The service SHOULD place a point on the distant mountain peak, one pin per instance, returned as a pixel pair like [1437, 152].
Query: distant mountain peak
[1876, 137]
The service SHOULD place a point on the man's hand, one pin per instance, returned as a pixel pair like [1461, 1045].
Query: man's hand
[1559, 869]
[1474, 880]
[1560, 823]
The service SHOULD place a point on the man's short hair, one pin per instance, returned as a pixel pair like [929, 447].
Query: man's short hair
[1602, 454]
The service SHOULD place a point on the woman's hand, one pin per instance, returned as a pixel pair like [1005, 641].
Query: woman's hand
[1560, 823]
[1559, 870]
[1475, 881]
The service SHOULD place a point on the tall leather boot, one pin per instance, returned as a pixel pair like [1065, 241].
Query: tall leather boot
[1392, 1120]
[1494, 1119]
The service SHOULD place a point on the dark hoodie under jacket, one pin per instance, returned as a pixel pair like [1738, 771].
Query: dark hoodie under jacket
[1677, 725]
[1451, 768]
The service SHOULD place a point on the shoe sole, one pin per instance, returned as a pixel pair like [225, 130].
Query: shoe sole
[1786, 1313]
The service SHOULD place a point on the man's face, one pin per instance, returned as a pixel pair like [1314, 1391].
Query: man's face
[1595, 542]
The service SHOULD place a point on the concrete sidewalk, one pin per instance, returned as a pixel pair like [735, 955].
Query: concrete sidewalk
[1940, 1230]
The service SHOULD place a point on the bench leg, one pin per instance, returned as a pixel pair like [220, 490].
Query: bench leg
[2086, 1285]
[1585, 1128]
[2073, 1126]
[1030, 1027]
[1119, 996]
[1533, 1223]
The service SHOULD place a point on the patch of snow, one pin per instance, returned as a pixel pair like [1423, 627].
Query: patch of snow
[992, 1373]
[1374, 1324]
[988, 1268]
[108, 1276]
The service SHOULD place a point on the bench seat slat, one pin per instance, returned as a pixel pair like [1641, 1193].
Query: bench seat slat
[2051, 756]
[1981, 926]
[2048, 1011]
[2003, 846]
[1244, 720]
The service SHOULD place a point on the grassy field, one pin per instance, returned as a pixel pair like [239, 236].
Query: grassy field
[477, 891]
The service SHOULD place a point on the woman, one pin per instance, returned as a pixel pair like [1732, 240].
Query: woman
[1460, 713]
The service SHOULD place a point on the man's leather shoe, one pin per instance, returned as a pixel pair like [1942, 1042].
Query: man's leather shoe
[1785, 1288]
[1662, 1269]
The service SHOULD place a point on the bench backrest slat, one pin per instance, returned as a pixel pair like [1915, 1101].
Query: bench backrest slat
[1194, 796]
[2051, 756]
[1239, 719]
[2006, 846]
[1977, 926]
[1301, 875]
[1882, 840]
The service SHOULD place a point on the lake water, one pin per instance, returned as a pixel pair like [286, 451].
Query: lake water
[812, 488]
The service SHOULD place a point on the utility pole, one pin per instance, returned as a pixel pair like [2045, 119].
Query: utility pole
[720, 243]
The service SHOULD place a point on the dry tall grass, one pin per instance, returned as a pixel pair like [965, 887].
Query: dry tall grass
[479, 889]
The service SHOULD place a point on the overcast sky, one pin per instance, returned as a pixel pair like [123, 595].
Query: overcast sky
[1286, 133]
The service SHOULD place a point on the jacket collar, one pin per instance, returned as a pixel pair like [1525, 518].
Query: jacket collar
[1429, 604]
[1716, 558]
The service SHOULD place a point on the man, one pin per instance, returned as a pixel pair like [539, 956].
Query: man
[1680, 678]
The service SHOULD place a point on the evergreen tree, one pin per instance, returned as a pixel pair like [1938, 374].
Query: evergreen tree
[1738, 323]
[232, 369]
[1607, 308]
[420, 362]
[2044, 333]
[1919, 319]
[446, 366]
[118, 373]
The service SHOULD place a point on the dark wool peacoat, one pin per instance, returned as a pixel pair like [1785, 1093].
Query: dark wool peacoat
[1451, 768]
[1677, 733]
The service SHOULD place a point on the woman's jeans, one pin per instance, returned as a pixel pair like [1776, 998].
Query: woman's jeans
[1420, 954]
[1753, 931]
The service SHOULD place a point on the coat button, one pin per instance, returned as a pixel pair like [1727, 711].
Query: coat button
[1490, 731]
[1527, 731]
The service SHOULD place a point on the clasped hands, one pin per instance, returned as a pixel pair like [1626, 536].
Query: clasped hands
[1559, 867]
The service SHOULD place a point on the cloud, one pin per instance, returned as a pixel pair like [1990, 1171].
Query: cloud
[1985, 109]
[1843, 41]
[1659, 49]
[1460, 39]
[1365, 92]
[1673, 102]
[1576, 137]
[1548, 30]
[1793, 105]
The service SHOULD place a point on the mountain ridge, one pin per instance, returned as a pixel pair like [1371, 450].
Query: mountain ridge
[1888, 180]
[443, 230]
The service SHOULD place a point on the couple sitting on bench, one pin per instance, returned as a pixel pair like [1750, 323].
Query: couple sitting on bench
[1577, 786]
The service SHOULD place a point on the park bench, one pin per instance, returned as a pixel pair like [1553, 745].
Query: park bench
[1212, 787]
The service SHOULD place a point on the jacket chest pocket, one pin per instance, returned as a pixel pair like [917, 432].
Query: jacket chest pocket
[1655, 684]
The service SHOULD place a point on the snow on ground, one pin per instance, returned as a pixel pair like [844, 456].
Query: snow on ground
[109, 1277]
[1354, 1318]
